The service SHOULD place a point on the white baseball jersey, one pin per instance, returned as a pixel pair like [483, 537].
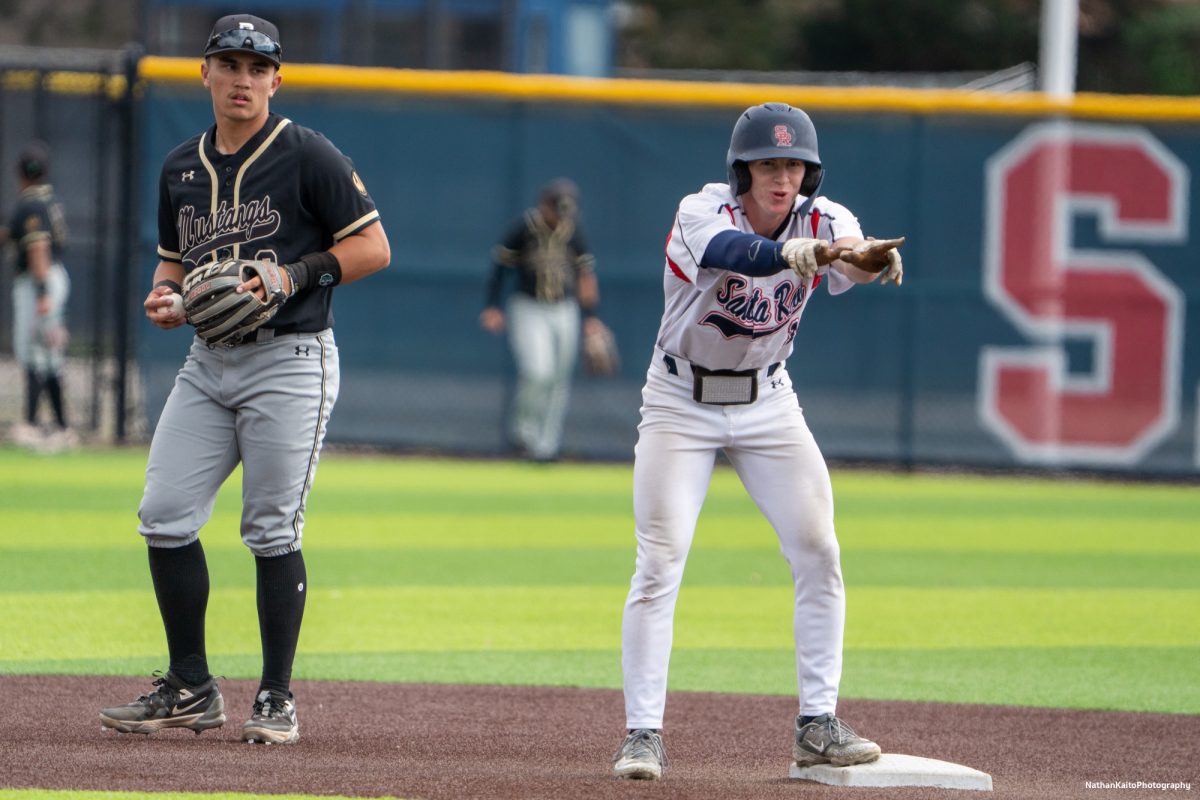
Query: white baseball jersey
[725, 320]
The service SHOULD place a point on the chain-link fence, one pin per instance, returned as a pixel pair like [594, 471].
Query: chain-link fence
[75, 101]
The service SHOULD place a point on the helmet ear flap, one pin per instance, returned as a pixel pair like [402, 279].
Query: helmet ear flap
[740, 173]
[813, 174]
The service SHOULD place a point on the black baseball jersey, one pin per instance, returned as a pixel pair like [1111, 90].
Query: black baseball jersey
[548, 260]
[286, 193]
[38, 215]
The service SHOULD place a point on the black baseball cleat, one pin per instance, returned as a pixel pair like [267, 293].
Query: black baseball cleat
[173, 704]
[274, 719]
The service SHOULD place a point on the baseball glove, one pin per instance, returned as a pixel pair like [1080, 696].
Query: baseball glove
[600, 355]
[222, 315]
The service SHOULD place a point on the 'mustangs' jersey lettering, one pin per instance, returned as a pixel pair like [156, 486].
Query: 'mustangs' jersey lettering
[200, 234]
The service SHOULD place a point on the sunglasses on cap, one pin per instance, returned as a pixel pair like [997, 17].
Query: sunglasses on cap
[243, 39]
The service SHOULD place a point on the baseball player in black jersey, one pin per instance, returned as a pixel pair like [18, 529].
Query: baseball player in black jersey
[38, 229]
[253, 186]
[556, 282]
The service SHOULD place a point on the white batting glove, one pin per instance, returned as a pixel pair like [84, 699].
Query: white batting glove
[894, 271]
[801, 256]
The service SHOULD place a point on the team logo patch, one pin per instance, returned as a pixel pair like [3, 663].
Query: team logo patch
[325, 279]
[358, 184]
[784, 136]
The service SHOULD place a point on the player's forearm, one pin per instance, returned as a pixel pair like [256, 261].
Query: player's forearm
[849, 270]
[37, 255]
[588, 292]
[362, 253]
[854, 273]
[744, 253]
[171, 271]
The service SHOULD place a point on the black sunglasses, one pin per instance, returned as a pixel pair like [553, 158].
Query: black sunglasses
[241, 39]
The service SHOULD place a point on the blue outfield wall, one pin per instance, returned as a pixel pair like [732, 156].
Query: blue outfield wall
[1048, 316]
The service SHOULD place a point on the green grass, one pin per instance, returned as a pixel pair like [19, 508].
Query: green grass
[963, 589]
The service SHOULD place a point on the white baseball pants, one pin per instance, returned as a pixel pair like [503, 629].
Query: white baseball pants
[544, 337]
[771, 448]
[39, 343]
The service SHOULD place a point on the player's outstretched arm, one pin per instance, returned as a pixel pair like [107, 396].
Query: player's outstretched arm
[864, 260]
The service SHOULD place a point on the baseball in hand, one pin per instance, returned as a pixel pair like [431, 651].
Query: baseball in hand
[173, 310]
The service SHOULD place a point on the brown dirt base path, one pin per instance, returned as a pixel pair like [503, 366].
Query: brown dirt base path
[453, 742]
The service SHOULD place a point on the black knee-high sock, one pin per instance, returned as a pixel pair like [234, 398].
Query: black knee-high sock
[54, 389]
[180, 577]
[282, 587]
[33, 392]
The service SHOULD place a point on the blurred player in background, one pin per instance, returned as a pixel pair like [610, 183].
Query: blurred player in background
[555, 283]
[38, 230]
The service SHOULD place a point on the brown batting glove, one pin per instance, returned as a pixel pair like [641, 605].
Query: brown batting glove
[876, 256]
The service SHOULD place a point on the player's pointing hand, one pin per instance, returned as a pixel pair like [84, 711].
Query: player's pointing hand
[876, 256]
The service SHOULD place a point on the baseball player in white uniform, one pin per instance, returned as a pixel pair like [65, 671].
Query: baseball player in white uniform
[742, 261]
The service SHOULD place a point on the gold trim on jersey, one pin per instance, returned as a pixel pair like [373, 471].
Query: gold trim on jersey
[237, 183]
[167, 255]
[505, 256]
[354, 226]
[213, 181]
[37, 235]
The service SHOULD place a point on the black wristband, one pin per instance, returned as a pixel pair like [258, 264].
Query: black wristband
[315, 269]
[170, 284]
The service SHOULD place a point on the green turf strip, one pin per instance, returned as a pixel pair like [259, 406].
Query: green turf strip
[111, 624]
[969, 589]
[116, 568]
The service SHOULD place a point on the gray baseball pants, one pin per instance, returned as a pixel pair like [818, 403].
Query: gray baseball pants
[264, 404]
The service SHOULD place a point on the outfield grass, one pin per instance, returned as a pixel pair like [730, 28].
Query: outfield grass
[963, 589]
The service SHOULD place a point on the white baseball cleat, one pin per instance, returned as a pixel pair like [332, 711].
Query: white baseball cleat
[642, 756]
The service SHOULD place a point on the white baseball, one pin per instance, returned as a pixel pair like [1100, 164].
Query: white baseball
[176, 307]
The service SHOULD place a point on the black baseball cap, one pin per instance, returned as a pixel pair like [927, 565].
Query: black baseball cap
[245, 32]
[34, 161]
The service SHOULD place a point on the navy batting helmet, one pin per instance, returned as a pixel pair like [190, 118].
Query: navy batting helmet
[773, 130]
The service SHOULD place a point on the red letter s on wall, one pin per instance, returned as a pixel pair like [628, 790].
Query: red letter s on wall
[1116, 300]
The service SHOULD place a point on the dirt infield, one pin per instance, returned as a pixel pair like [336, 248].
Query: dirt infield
[454, 742]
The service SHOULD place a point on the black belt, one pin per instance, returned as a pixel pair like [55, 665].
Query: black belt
[722, 387]
[673, 367]
[265, 334]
